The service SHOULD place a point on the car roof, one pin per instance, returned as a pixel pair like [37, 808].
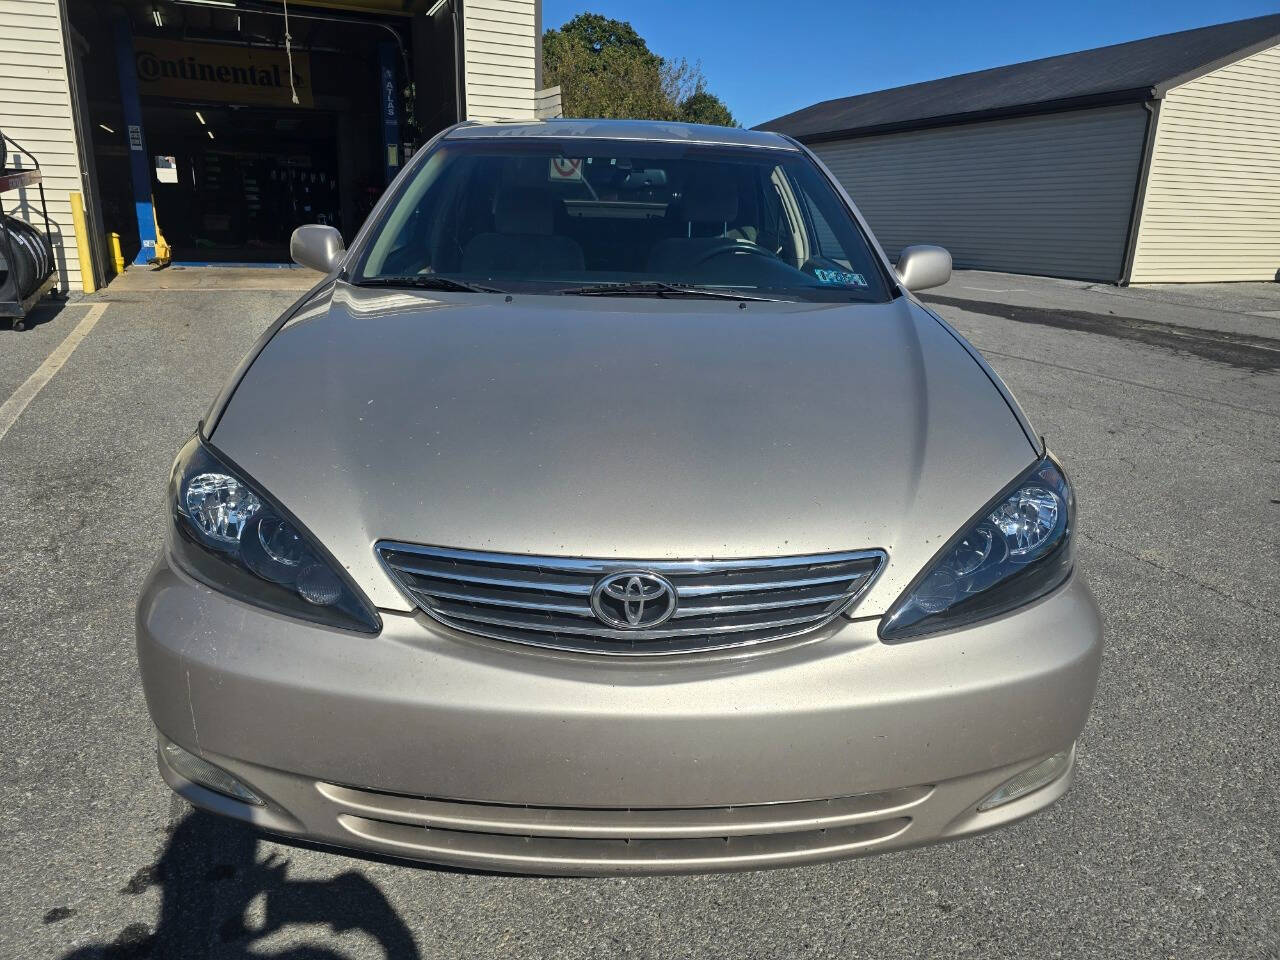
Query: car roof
[623, 130]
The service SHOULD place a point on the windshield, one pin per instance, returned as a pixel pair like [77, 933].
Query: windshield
[559, 216]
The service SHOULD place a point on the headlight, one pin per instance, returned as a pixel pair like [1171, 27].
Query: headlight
[1018, 548]
[227, 533]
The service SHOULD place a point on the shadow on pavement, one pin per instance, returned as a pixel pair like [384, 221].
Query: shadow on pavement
[221, 899]
[1242, 350]
[46, 310]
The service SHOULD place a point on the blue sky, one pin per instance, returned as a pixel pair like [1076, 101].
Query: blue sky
[768, 58]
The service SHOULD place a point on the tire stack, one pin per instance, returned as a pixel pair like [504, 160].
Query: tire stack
[32, 256]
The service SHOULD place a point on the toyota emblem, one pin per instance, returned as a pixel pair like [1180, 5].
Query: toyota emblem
[633, 600]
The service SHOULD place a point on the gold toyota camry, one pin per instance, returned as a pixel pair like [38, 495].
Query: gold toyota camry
[612, 505]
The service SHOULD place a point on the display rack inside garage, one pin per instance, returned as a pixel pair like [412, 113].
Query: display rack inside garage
[14, 303]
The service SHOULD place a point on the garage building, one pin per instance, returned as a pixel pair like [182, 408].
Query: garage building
[1151, 161]
[198, 116]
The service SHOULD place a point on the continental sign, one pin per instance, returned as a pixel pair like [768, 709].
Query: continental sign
[227, 74]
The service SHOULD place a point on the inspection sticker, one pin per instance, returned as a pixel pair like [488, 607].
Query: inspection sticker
[840, 278]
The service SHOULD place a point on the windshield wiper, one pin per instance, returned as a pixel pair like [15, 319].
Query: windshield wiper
[655, 288]
[427, 281]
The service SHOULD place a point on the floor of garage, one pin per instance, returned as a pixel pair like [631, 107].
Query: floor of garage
[1165, 405]
[178, 278]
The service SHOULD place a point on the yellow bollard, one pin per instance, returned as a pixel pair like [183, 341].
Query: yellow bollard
[87, 282]
[117, 256]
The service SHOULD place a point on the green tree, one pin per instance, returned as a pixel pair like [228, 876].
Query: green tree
[605, 69]
[703, 107]
[602, 33]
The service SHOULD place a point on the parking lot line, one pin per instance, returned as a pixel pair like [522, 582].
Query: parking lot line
[12, 408]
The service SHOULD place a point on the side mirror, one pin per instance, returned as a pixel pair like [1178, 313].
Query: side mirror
[922, 266]
[316, 246]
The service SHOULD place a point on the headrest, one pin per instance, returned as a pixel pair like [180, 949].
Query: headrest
[709, 201]
[523, 210]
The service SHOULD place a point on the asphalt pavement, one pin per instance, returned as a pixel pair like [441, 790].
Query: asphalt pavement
[1165, 405]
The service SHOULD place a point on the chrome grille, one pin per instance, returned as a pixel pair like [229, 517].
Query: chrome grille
[546, 601]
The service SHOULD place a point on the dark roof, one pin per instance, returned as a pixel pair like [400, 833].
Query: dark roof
[1126, 72]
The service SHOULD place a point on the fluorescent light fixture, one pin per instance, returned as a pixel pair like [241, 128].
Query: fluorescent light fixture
[106, 128]
[155, 15]
[200, 117]
[210, 133]
[435, 7]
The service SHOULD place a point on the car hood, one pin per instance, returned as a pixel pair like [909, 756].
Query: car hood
[621, 427]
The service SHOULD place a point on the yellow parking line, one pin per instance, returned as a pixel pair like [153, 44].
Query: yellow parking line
[12, 408]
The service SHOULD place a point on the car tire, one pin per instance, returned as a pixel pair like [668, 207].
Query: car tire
[32, 256]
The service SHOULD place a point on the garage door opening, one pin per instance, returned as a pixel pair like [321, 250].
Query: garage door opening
[204, 124]
[232, 182]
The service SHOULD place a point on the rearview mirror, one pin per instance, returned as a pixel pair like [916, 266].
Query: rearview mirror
[317, 246]
[922, 266]
[644, 179]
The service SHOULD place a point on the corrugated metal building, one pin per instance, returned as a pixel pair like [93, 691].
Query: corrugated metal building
[64, 96]
[1151, 161]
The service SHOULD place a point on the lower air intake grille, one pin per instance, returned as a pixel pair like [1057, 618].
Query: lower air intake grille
[641, 840]
[630, 607]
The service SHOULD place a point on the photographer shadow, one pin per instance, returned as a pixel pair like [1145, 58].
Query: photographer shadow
[220, 900]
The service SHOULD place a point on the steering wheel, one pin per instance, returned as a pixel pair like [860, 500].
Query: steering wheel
[734, 247]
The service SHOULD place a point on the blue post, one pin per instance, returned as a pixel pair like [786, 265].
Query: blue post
[390, 105]
[139, 163]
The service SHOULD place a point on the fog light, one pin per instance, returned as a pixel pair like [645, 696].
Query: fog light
[205, 774]
[1042, 774]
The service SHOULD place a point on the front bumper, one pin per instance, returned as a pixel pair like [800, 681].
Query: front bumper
[427, 744]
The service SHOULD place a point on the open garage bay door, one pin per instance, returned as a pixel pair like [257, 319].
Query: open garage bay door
[202, 122]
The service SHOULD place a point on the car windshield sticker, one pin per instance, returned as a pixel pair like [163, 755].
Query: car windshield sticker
[840, 278]
[565, 169]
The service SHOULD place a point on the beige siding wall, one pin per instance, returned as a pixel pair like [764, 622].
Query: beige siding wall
[1045, 195]
[549, 103]
[500, 49]
[1212, 206]
[35, 110]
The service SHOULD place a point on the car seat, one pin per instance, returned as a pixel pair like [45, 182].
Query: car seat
[705, 213]
[523, 240]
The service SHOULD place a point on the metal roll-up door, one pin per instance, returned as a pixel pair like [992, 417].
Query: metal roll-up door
[1049, 194]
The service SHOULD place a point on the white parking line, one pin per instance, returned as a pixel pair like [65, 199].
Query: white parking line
[12, 408]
